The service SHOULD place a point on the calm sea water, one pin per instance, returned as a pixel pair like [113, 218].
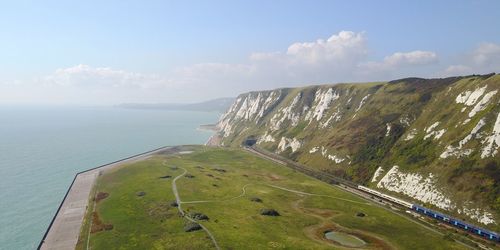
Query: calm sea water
[42, 148]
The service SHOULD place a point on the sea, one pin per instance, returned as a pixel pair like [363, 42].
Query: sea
[41, 149]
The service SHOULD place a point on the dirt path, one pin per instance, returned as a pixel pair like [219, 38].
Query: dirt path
[176, 193]
[179, 202]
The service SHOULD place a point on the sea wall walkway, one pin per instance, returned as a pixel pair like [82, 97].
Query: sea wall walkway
[64, 228]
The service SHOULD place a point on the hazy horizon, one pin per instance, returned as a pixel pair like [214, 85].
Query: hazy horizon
[95, 53]
[261, 122]
[107, 105]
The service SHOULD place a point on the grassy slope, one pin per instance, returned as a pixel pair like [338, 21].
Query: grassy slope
[149, 223]
[361, 134]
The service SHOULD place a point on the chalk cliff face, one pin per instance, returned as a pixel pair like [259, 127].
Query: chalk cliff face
[432, 141]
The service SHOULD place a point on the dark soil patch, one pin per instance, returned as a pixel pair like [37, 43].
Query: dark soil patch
[141, 193]
[256, 199]
[98, 225]
[160, 211]
[215, 185]
[324, 213]
[192, 226]
[274, 177]
[100, 196]
[269, 212]
[166, 177]
[220, 170]
[210, 175]
[190, 176]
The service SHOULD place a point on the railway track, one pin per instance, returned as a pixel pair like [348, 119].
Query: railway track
[347, 186]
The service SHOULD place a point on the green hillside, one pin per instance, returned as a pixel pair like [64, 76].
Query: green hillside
[431, 141]
[134, 208]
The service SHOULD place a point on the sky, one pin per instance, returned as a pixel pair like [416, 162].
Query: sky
[111, 52]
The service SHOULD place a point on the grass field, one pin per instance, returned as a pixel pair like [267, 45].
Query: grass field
[222, 184]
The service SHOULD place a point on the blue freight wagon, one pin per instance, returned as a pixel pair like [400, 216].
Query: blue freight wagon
[457, 223]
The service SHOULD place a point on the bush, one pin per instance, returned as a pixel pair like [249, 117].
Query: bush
[256, 199]
[269, 212]
[425, 97]
[192, 226]
[198, 216]
[360, 214]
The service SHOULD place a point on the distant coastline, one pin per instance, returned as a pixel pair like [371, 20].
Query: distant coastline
[208, 127]
[218, 105]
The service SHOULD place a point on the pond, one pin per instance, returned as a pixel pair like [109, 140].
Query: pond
[345, 239]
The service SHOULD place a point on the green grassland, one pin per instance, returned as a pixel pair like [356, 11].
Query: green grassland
[224, 182]
[359, 134]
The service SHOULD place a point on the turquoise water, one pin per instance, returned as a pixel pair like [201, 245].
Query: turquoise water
[345, 239]
[42, 148]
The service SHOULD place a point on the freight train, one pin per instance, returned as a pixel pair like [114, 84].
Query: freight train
[490, 235]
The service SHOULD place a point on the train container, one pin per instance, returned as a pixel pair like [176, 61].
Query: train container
[385, 196]
[457, 223]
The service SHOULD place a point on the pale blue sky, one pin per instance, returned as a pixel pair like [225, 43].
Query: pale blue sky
[168, 44]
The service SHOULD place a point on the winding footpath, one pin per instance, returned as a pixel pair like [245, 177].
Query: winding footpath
[179, 202]
[176, 193]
